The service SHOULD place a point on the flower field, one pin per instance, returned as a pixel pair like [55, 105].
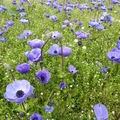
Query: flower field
[60, 59]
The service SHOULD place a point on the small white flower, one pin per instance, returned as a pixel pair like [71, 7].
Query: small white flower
[76, 40]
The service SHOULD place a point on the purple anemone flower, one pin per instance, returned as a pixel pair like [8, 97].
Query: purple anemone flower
[21, 36]
[56, 35]
[36, 43]
[10, 23]
[24, 21]
[114, 55]
[66, 22]
[49, 108]
[100, 27]
[5, 28]
[64, 26]
[72, 69]
[93, 23]
[1, 32]
[101, 112]
[18, 91]
[62, 85]
[47, 15]
[3, 39]
[22, 14]
[53, 18]
[54, 50]
[34, 55]
[43, 76]
[66, 51]
[27, 33]
[14, 2]
[54, 5]
[36, 116]
[23, 68]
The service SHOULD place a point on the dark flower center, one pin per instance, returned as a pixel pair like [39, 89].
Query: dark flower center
[19, 93]
[55, 51]
[112, 57]
[35, 118]
[42, 78]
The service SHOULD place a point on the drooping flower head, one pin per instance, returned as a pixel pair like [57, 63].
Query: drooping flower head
[66, 51]
[72, 69]
[54, 50]
[101, 112]
[36, 43]
[23, 68]
[36, 116]
[18, 91]
[43, 76]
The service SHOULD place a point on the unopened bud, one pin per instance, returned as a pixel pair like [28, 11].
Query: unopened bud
[7, 66]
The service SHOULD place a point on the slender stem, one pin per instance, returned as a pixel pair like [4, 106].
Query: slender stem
[23, 106]
[41, 63]
[12, 75]
[118, 117]
[42, 89]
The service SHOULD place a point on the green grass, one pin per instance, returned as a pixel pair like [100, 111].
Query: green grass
[89, 86]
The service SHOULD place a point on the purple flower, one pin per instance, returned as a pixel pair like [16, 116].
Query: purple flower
[80, 23]
[43, 76]
[1, 32]
[24, 21]
[66, 22]
[75, 20]
[21, 36]
[79, 43]
[18, 91]
[53, 18]
[5, 28]
[47, 15]
[47, 3]
[56, 35]
[3, 8]
[72, 69]
[64, 26]
[100, 27]
[114, 55]
[59, 10]
[22, 14]
[114, 1]
[93, 23]
[104, 70]
[36, 116]
[101, 112]
[66, 51]
[14, 2]
[62, 85]
[23, 68]
[3, 39]
[36, 43]
[54, 50]
[10, 23]
[49, 108]
[27, 33]
[21, 9]
[21, 1]
[34, 55]
[54, 5]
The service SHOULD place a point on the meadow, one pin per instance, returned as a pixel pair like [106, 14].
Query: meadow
[59, 60]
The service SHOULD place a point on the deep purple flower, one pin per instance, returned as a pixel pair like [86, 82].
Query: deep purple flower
[56, 35]
[36, 116]
[72, 69]
[75, 20]
[79, 43]
[36, 43]
[1, 32]
[3, 39]
[43, 76]
[34, 55]
[110, 8]
[5, 28]
[66, 51]
[80, 23]
[49, 108]
[114, 55]
[21, 9]
[27, 33]
[18, 91]
[59, 10]
[22, 114]
[53, 18]
[66, 22]
[14, 2]
[24, 21]
[101, 112]
[47, 15]
[54, 50]
[3, 8]
[10, 23]
[62, 85]
[23, 68]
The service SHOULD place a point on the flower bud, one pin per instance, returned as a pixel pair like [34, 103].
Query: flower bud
[7, 66]
[49, 35]
[84, 49]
